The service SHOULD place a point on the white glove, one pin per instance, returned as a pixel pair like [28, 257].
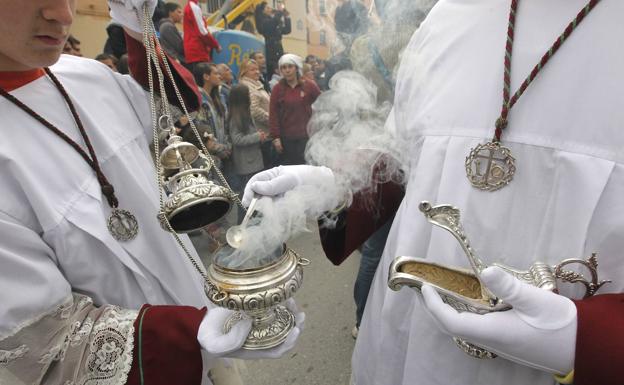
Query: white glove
[210, 334]
[281, 179]
[540, 330]
[127, 12]
[214, 342]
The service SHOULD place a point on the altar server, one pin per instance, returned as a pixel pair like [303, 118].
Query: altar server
[88, 279]
[539, 83]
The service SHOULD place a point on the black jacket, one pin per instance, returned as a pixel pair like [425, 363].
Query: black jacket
[171, 40]
[274, 27]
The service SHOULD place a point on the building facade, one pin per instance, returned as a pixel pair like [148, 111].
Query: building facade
[92, 18]
[321, 35]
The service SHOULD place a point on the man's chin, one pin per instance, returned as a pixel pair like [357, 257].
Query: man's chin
[46, 60]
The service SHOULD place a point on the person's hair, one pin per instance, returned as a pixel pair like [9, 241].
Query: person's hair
[239, 108]
[170, 7]
[105, 56]
[199, 71]
[306, 68]
[159, 12]
[221, 66]
[244, 67]
[259, 17]
[73, 41]
[122, 65]
[254, 55]
[311, 58]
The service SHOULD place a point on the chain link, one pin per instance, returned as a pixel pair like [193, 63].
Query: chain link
[149, 37]
[194, 128]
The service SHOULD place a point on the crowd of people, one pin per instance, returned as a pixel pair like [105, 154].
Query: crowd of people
[269, 110]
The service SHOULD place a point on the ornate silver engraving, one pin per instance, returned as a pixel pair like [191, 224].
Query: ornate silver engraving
[539, 274]
[473, 350]
[258, 294]
[122, 225]
[193, 200]
[192, 189]
[460, 306]
[276, 331]
[261, 300]
[490, 166]
[449, 218]
[591, 287]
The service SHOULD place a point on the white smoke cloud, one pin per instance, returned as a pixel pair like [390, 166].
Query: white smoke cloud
[349, 134]
[280, 219]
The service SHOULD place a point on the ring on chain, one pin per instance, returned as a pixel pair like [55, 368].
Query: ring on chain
[165, 122]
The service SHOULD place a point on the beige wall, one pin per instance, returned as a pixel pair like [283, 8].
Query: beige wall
[318, 22]
[91, 31]
[296, 41]
[92, 18]
[89, 26]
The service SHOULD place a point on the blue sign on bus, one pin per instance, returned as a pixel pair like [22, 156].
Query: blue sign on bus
[236, 47]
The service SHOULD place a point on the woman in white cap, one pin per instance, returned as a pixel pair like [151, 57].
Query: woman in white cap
[291, 109]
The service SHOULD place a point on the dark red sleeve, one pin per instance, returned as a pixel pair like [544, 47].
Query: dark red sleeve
[137, 62]
[600, 340]
[368, 212]
[166, 350]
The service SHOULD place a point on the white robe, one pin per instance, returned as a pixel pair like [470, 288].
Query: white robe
[565, 201]
[53, 234]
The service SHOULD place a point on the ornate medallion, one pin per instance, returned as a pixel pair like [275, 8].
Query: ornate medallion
[490, 166]
[473, 350]
[122, 225]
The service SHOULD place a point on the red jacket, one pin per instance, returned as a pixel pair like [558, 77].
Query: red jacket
[198, 41]
[290, 109]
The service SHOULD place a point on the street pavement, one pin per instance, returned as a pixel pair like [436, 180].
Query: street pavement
[323, 353]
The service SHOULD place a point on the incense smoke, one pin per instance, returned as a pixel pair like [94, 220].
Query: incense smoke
[348, 133]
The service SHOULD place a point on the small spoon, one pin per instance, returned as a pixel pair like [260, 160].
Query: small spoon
[235, 234]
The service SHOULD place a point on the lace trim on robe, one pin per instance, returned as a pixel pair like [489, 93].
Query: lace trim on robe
[74, 344]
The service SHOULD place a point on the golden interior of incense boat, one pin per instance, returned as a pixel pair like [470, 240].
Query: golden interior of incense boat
[449, 279]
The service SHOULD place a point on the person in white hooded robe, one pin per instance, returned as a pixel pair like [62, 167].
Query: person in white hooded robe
[564, 200]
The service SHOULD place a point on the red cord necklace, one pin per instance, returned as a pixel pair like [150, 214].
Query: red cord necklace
[121, 224]
[490, 166]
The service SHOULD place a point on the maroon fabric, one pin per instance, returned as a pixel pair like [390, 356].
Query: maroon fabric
[169, 348]
[137, 62]
[600, 340]
[197, 47]
[291, 108]
[361, 221]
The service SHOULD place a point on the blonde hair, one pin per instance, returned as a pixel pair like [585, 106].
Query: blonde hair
[244, 67]
[306, 68]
